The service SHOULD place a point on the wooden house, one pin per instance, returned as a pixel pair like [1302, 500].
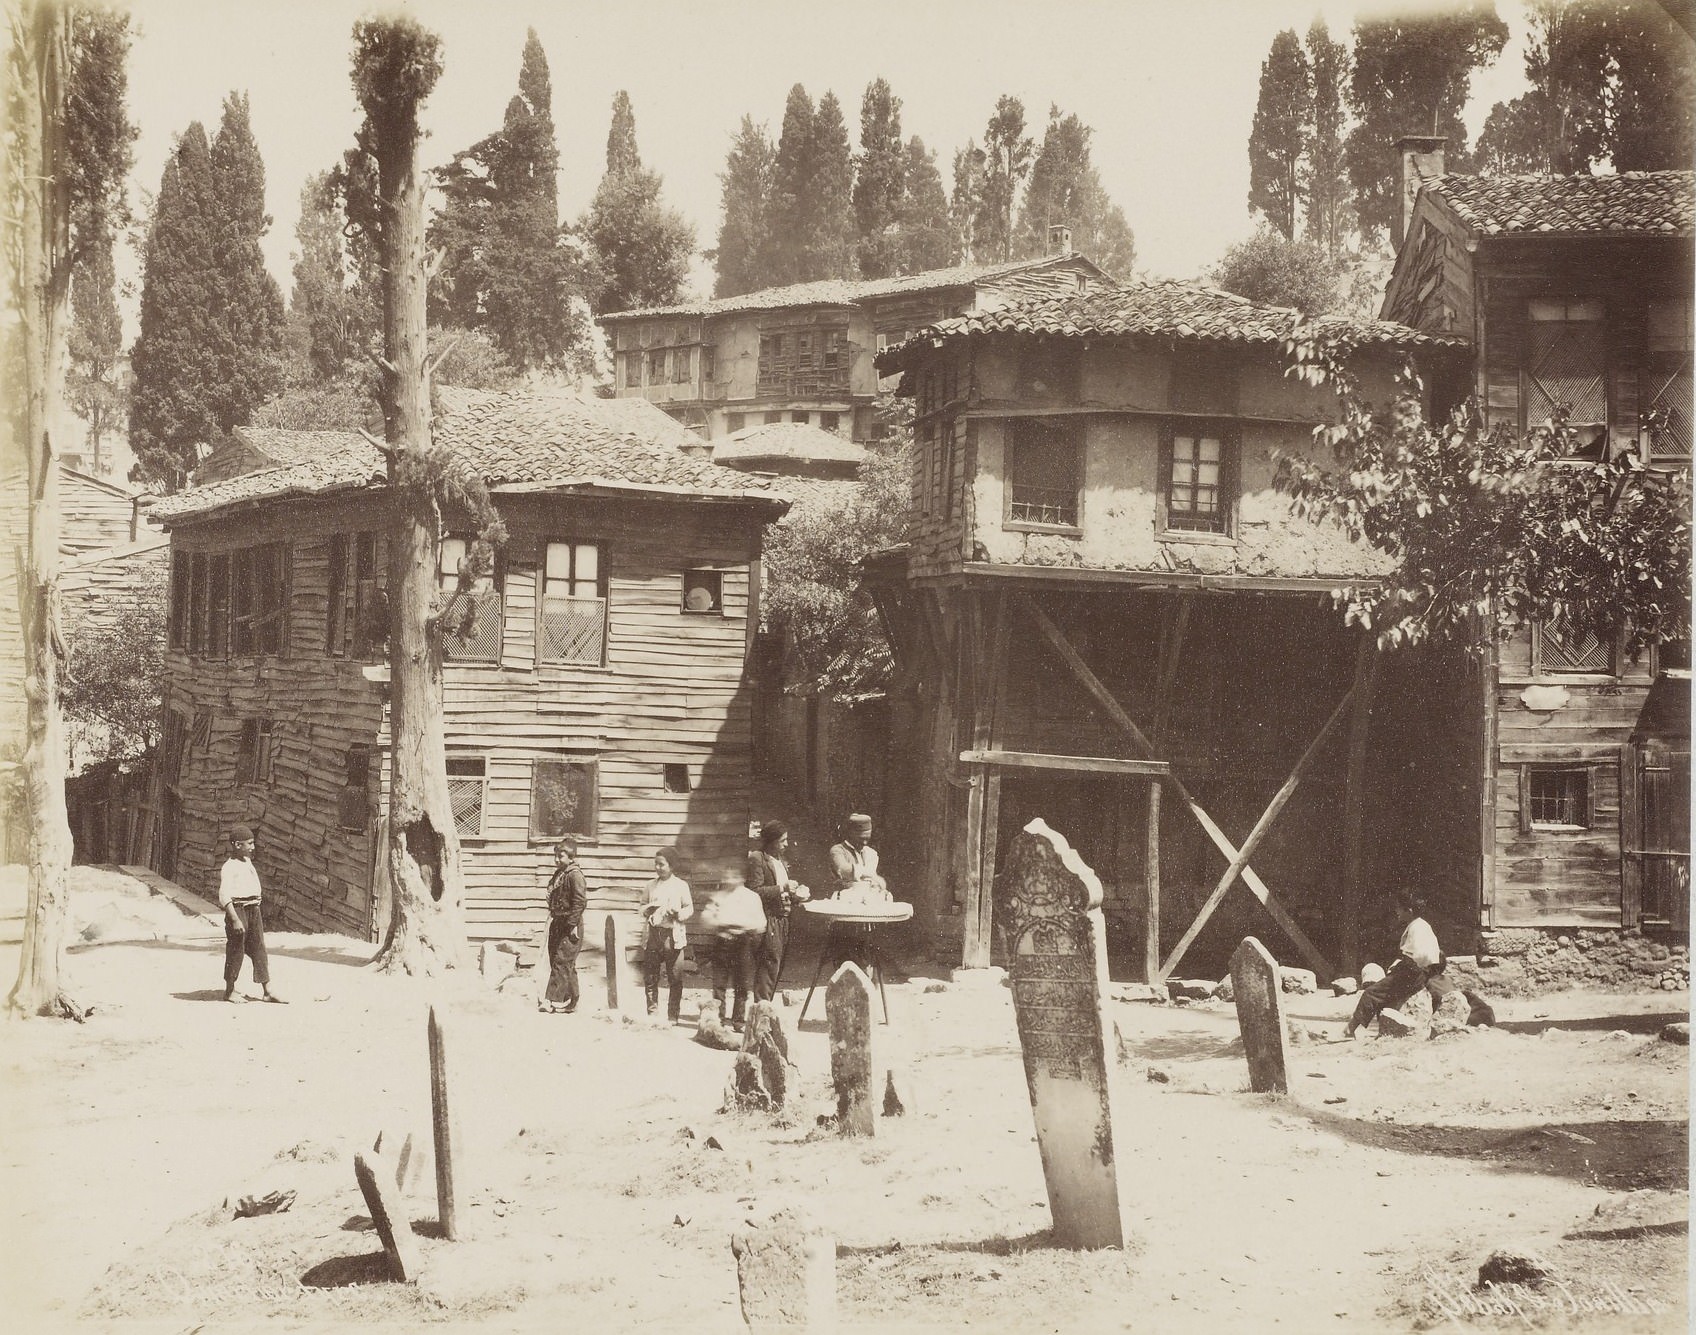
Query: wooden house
[803, 353]
[1575, 291]
[602, 691]
[1108, 617]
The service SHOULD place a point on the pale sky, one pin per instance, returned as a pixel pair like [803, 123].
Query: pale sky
[1169, 88]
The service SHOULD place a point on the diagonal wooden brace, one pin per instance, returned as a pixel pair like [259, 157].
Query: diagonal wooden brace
[1114, 710]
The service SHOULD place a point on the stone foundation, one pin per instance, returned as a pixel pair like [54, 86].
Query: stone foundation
[1524, 961]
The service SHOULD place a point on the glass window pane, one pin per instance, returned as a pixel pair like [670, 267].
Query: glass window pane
[1210, 448]
[1208, 474]
[558, 561]
[453, 552]
[588, 562]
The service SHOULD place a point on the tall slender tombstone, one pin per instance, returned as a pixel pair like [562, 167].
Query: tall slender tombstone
[848, 1007]
[1049, 904]
[1259, 994]
[446, 1128]
[610, 944]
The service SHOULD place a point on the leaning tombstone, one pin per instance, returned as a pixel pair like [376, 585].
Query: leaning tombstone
[786, 1273]
[388, 1213]
[762, 1074]
[610, 945]
[445, 1127]
[1049, 905]
[1256, 985]
[848, 1007]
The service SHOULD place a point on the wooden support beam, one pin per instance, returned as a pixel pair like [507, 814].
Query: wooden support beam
[1354, 798]
[1081, 764]
[1171, 647]
[1116, 711]
[1261, 826]
[1151, 971]
[988, 630]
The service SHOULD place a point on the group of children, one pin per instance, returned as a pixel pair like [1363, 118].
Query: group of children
[748, 918]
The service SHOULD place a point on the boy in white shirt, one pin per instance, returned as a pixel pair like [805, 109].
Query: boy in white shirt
[244, 923]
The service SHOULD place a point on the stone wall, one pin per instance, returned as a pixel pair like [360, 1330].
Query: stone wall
[1529, 960]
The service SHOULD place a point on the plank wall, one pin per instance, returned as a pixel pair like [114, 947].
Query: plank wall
[92, 514]
[673, 691]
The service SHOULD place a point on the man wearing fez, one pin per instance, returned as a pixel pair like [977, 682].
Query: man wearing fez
[244, 923]
[854, 861]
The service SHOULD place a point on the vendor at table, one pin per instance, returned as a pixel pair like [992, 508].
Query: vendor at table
[853, 862]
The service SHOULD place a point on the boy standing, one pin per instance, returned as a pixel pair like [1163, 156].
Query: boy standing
[244, 922]
[568, 896]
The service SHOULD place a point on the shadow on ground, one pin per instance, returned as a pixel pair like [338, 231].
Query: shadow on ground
[342, 1272]
[1620, 1156]
[1650, 1022]
[215, 947]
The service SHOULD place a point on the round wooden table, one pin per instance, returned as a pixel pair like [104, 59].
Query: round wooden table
[851, 933]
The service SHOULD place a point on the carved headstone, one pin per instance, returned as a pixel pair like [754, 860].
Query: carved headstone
[446, 1130]
[1255, 983]
[388, 1213]
[762, 1073]
[1049, 906]
[848, 1005]
[786, 1271]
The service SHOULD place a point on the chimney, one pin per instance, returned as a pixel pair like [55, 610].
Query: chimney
[1419, 158]
[1059, 239]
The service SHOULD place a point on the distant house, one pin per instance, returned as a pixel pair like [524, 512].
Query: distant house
[1117, 624]
[603, 690]
[804, 353]
[1572, 291]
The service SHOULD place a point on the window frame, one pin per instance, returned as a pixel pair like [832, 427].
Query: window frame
[1527, 773]
[681, 366]
[632, 368]
[656, 368]
[481, 778]
[1077, 435]
[591, 824]
[497, 585]
[602, 568]
[179, 618]
[1663, 366]
[1528, 380]
[710, 576]
[709, 363]
[734, 422]
[1540, 667]
[256, 751]
[1229, 435]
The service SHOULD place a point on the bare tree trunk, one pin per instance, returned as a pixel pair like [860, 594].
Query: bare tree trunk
[427, 925]
[42, 291]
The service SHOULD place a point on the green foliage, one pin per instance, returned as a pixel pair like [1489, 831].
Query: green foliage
[1268, 267]
[114, 679]
[347, 402]
[1325, 176]
[1412, 73]
[506, 267]
[1064, 188]
[471, 360]
[812, 594]
[174, 360]
[1007, 154]
[1489, 531]
[744, 232]
[640, 249]
[94, 386]
[1611, 80]
[1280, 137]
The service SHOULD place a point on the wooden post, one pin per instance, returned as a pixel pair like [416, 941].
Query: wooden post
[1631, 840]
[1151, 883]
[610, 945]
[446, 1131]
[984, 805]
[1116, 711]
[1354, 800]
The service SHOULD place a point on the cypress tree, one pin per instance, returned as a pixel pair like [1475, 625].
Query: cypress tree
[1006, 163]
[1279, 139]
[1326, 180]
[963, 201]
[745, 192]
[249, 320]
[793, 183]
[174, 362]
[927, 240]
[330, 322]
[641, 248]
[879, 182]
[94, 344]
[1064, 188]
[828, 248]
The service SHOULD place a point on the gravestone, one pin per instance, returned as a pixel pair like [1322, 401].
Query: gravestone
[445, 1127]
[1255, 982]
[610, 944]
[848, 1006]
[1048, 904]
[388, 1213]
[786, 1273]
[762, 1072]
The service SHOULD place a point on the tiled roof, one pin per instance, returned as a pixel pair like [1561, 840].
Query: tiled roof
[845, 292]
[787, 440]
[530, 440]
[1168, 310]
[1629, 204]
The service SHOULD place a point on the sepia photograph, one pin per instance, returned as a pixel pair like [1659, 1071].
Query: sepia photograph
[723, 666]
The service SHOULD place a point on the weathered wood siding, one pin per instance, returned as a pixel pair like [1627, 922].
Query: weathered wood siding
[92, 513]
[672, 691]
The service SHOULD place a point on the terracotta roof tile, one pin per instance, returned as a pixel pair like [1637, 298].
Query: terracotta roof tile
[845, 292]
[787, 440]
[1169, 310]
[538, 439]
[1629, 204]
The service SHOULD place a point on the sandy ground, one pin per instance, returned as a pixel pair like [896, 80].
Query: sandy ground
[1365, 1200]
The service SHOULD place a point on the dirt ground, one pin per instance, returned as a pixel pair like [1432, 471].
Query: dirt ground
[1365, 1200]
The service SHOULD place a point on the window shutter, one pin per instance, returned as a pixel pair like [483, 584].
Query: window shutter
[1525, 799]
[1167, 432]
